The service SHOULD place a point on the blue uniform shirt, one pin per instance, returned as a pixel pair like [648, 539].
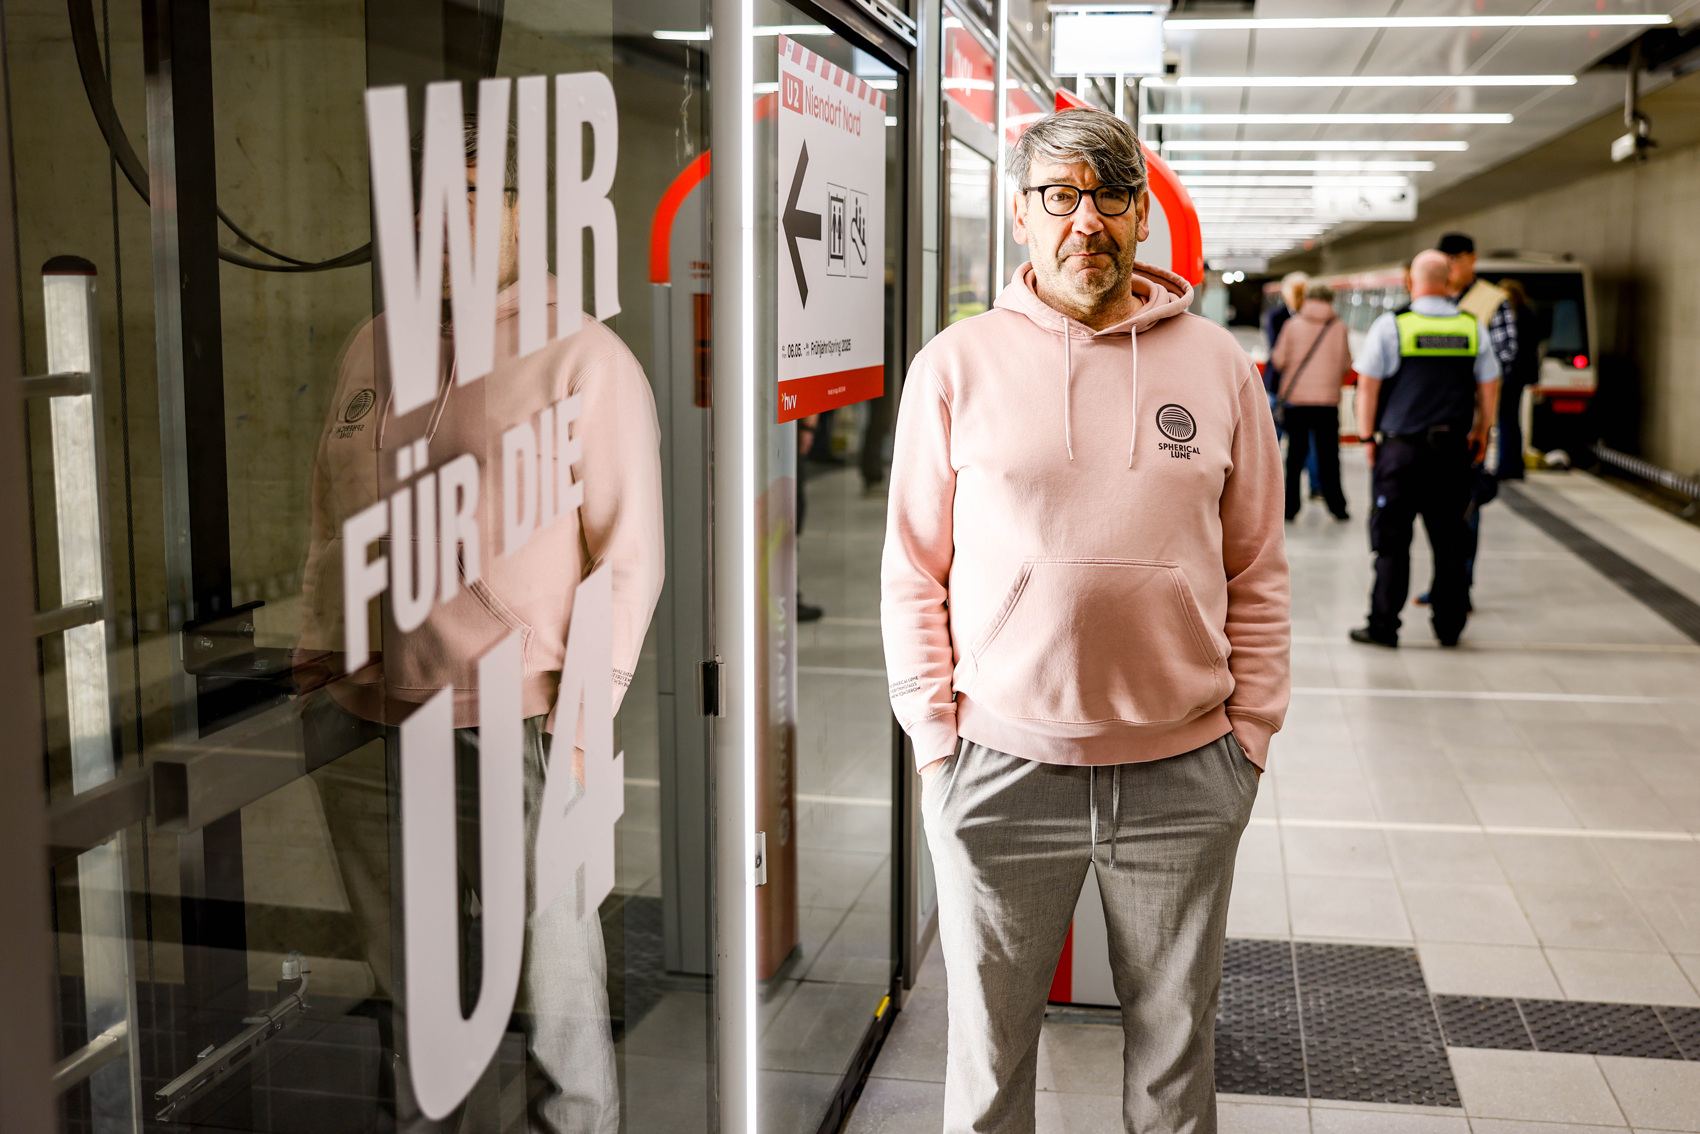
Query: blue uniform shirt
[1379, 356]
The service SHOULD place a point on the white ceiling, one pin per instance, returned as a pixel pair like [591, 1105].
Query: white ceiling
[1540, 113]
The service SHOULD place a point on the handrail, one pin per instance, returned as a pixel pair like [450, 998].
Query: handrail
[1647, 470]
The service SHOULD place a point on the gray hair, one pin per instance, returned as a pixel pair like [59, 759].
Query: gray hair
[1107, 145]
[1320, 291]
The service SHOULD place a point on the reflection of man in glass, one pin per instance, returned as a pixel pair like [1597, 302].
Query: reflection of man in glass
[563, 986]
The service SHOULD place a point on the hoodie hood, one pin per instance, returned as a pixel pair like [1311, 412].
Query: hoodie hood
[1161, 294]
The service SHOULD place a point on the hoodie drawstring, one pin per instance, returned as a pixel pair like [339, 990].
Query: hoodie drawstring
[1068, 382]
[1092, 807]
[1133, 434]
[1115, 808]
[1068, 388]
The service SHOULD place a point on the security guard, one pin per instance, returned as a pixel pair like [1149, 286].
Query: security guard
[1429, 385]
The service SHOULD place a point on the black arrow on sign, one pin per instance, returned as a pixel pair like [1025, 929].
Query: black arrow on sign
[800, 224]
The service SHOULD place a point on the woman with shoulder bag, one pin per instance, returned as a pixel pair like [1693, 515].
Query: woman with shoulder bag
[1314, 357]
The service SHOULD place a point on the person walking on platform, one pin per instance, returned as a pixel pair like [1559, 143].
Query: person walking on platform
[1085, 612]
[1314, 358]
[1428, 384]
[1521, 373]
[1292, 299]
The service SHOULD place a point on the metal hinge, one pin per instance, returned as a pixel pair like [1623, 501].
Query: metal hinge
[761, 858]
[711, 690]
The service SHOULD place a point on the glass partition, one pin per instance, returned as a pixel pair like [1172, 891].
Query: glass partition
[332, 543]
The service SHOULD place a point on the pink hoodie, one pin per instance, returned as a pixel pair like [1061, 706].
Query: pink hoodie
[1084, 560]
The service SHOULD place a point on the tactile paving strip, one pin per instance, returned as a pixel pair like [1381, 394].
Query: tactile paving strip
[1683, 1024]
[1351, 1070]
[1383, 968]
[1356, 1023]
[1244, 959]
[1483, 1021]
[1258, 1008]
[1272, 1066]
[1650, 591]
[1588, 1028]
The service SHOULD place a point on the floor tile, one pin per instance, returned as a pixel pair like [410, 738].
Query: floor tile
[1586, 917]
[1261, 1118]
[915, 1046]
[1628, 978]
[1442, 856]
[1479, 914]
[1533, 803]
[1535, 1086]
[1311, 850]
[1487, 970]
[1359, 908]
[1507, 1126]
[1333, 1120]
[1655, 1094]
[898, 1106]
[1082, 1059]
[1058, 1113]
[1258, 907]
[1556, 860]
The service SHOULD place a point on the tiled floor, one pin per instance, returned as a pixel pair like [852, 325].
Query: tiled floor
[1522, 812]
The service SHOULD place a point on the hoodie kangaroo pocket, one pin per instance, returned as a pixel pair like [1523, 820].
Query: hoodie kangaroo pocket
[1089, 641]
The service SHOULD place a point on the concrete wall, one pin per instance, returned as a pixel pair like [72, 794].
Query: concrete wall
[1638, 228]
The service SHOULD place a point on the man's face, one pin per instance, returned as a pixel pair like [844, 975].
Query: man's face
[1085, 260]
[1461, 270]
[507, 271]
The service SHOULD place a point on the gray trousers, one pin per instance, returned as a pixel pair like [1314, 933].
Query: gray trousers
[1012, 841]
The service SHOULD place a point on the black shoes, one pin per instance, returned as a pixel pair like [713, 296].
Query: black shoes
[808, 613]
[1368, 637]
[1342, 516]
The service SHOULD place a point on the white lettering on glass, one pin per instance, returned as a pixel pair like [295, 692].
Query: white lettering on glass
[412, 285]
[458, 516]
[533, 216]
[575, 825]
[581, 200]
[362, 580]
[446, 1053]
[519, 486]
[413, 553]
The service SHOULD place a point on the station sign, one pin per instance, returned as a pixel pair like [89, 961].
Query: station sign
[831, 252]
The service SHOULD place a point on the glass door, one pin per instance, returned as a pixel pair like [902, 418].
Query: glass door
[371, 612]
[826, 963]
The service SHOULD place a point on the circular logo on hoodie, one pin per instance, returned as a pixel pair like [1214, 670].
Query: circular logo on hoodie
[1176, 423]
[359, 405]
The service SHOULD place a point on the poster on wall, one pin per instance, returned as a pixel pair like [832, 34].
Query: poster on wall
[831, 206]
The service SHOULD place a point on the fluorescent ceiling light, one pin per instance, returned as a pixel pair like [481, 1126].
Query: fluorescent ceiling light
[1329, 119]
[1368, 81]
[1324, 23]
[1249, 180]
[882, 84]
[761, 30]
[1203, 165]
[1228, 146]
[959, 84]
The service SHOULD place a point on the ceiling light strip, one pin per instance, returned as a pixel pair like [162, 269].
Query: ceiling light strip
[1328, 119]
[1355, 23]
[1366, 81]
[1209, 165]
[1202, 146]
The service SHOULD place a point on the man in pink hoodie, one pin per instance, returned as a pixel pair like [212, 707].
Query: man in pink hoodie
[1085, 611]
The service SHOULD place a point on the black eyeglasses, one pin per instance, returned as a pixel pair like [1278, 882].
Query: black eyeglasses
[1062, 200]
